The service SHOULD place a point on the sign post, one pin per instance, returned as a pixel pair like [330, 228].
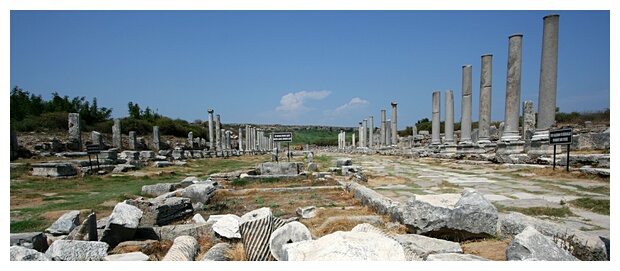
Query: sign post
[561, 137]
[284, 137]
[93, 149]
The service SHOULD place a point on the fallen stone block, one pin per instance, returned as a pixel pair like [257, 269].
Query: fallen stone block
[163, 164]
[219, 252]
[306, 212]
[122, 224]
[346, 246]
[289, 233]
[228, 226]
[157, 189]
[19, 253]
[184, 248]
[200, 192]
[73, 250]
[583, 246]
[137, 256]
[454, 257]
[54, 170]
[472, 216]
[423, 245]
[530, 245]
[280, 168]
[343, 162]
[65, 224]
[32, 240]
[170, 232]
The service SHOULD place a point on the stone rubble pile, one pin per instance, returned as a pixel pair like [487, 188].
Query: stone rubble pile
[434, 223]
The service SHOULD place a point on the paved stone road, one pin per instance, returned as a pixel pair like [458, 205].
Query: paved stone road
[509, 185]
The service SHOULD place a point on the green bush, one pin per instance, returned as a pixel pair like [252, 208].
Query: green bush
[55, 121]
[141, 127]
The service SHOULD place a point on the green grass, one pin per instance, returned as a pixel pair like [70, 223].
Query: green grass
[594, 205]
[17, 171]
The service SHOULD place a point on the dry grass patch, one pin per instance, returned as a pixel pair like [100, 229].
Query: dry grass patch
[237, 253]
[560, 173]
[487, 248]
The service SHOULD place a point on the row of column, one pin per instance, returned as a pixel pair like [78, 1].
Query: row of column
[388, 132]
[510, 133]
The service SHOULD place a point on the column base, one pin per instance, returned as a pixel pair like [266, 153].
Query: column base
[510, 147]
[448, 148]
[469, 148]
[542, 147]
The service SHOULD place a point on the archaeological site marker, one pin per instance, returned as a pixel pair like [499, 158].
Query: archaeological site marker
[561, 137]
[284, 137]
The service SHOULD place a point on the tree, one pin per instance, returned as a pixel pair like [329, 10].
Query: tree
[134, 110]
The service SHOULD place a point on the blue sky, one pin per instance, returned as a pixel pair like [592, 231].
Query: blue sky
[308, 67]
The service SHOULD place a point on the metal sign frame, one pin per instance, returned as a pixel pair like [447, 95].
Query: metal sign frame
[282, 137]
[561, 137]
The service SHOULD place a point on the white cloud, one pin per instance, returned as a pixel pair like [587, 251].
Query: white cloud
[352, 104]
[294, 102]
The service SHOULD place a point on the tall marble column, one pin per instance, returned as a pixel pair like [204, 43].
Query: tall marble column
[240, 139]
[353, 141]
[133, 141]
[513, 90]
[484, 121]
[466, 106]
[210, 129]
[75, 131]
[383, 129]
[247, 138]
[218, 133]
[548, 77]
[394, 127]
[365, 134]
[361, 134]
[436, 129]
[117, 136]
[371, 129]
[156, 138]
[449, 122]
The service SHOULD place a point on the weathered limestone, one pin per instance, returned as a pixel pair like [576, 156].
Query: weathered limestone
[132, 141]
[436, 139]
[218, 133]
[281, 168]
[199, 192]
[289, 233]
[96, 139]
[19, 253]
[256, 228]
[360, 132]
[117, 136]
[531, 245]
[306, 212]
[584, 246]
[184, 248]
[72, 250]
[449, 122]
[388, 133]
[75, 130]
[122, 224]
[466, 107]
[529, 120]
[383, 129]
[346, 246]
[137, 256]
[218, 253]
[156, 138]
[210, 111]
[54, 170]
[31, 240]
[510, 142]
[394, 126]
[451, 217]
[364, 137]
[240, 139]
[228, 226]
[486, 80]
[65, 224]
[190, 139]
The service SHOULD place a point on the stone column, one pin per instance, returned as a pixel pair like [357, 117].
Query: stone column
[548, 77]
[210, 129]
[218, 143]
[394, 128]
[371, 124]
[484, 121]
[247, 138]
[361, 134]
[117, 139]
[75, 130]
[96, 138]
[388, 133]
[365, 134]
[132, 140]
[513, 90]
[466, 107]
[156, 138]
[529, 120]
[240, 139]
[353, 140]
[190, 138]
[383, 129]
[436, 129]
[449, 123]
